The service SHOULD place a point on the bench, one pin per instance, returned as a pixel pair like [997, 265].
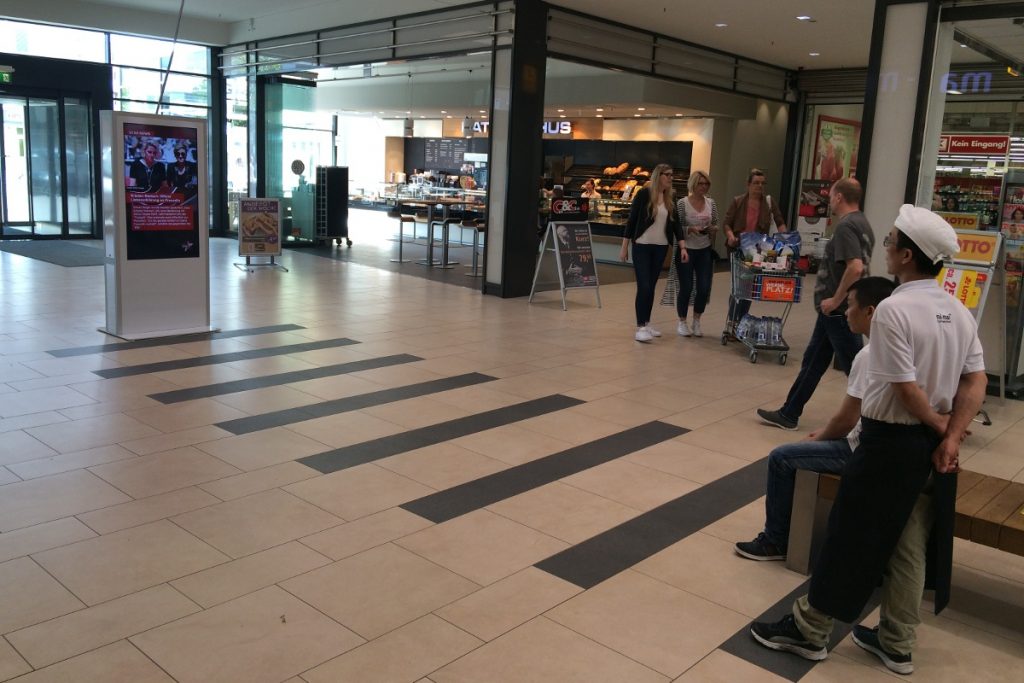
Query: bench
[989, 511]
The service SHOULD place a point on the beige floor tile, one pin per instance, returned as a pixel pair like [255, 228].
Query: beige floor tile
[989, 560]
[56, 464]
[40, 400]
[379, 590]
[13, 424]
[571, 425]
[513, 444]
[397, 376]
[257, 522]
[442, 465]
[850, 666]
[144, 356]
[67, 437]
[201, 376]
[7, 477]
[11, 664]
[636, 486]
[237, 578]
[48, 498]
[741, 525]
[565, 512]
[708, 567]
[88, 629]
[743, 437]
[274, 476]
[722, 667]
[405, 654]
[267, 399]
[120, 387]
[986, 602]
[509, 603]
[266, 636]
[41, 537]
[417, 412]
[369, 532]
[117, 663]
[544, 651]
[346, 429]
[476, 398]
[331, 388]
[186, 415]
[272, 365]
[687, 461]
[17, 446]
[358, 491]
[150, 475]
[624, 411]
[482, 546]
[263, 448]
[30, 596]
[166, 442]
[146, 510]
[666, 629]
[124, 562]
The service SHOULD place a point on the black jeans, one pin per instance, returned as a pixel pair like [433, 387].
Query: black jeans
[647, 261]
[831, 336]
[701, 262]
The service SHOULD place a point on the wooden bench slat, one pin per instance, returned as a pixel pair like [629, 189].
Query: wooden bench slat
[966, 480]
[1011, 535]
[968, 506]
[987, 523]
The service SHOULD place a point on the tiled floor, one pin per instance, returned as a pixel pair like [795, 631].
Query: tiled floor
[156, 528]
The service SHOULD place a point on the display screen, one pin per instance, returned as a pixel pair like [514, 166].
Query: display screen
[161, 179]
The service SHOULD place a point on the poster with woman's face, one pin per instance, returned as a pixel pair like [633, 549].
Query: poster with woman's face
[835, 149]
[1012, 223]
[161, 180]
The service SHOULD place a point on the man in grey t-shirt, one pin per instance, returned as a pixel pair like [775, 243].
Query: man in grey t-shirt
[846, 260]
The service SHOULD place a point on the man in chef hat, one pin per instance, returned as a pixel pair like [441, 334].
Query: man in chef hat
[893, 516]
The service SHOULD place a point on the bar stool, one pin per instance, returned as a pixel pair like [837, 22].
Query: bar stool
[445, 233]
[402, 220]
[421, 217]
[479, 228]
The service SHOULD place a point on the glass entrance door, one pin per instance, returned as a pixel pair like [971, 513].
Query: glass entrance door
[46, 167]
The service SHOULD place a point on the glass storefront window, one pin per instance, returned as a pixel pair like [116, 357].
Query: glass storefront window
[144, 85]
[52, 41]
[237, 145]
[156, 54]
[167, 109]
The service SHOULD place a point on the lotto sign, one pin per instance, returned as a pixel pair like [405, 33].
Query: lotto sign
[961, 221]
[778, 288]
[977, 247]
[966, 285]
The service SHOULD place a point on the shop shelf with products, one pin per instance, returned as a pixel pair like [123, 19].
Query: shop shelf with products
[971, 195]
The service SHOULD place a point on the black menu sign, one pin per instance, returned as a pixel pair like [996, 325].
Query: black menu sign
[575, 254]
[445, 154]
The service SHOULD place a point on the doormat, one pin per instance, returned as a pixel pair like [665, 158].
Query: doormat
[69, 254]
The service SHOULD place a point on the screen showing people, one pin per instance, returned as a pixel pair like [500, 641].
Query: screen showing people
[161, 178]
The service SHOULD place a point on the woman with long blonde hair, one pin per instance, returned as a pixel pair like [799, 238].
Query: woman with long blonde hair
[651, 228]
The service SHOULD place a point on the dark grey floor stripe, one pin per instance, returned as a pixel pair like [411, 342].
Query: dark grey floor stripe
[785, 664]
[368, 451]
[221, 388]
[474, 495]
[176, 339]
[199, 361]
[280, 418]
[605, 555]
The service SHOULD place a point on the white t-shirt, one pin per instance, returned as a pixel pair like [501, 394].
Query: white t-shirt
[655, 234]
[689, 216]
[919, 334]
[856, 386]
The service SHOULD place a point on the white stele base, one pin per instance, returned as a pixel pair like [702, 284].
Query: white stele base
[156, 335]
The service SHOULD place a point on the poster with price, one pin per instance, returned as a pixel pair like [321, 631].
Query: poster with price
[967, 284]
[575, 254]
[259, 222]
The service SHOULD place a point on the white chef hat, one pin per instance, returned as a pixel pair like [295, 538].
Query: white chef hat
[929, 231]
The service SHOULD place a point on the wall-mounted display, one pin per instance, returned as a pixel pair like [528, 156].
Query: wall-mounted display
[835, 148]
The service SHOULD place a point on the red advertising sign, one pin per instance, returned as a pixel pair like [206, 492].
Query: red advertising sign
[978, 145]
[778, 288]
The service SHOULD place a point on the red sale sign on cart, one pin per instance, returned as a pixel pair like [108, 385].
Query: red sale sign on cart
[778, 288]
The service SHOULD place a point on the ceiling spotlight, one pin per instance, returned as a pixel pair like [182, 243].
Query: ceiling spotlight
[599, 109]
[560, 111]
[805, 17]
[953, 92]
[721, 25]
[641, 108]
[561, 116]
[600, 116]
[678, 114]
[483, 111]
[636, 116]
[814, 54]
[963, 45]
[443, 111]
[449, 116]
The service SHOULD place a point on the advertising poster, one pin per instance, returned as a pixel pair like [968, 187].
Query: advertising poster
[1012, 220]
[966, 284]
[835, 148]
[576, 257]
[161, 179]
[259, 222]
[813, 212]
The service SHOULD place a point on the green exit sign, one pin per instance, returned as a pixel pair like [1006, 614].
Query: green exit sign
[6, 77]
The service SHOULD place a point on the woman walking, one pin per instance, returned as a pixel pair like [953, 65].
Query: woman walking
[698, 217]
[651, 227]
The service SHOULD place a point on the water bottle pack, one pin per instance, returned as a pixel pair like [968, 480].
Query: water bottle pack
[766, 331]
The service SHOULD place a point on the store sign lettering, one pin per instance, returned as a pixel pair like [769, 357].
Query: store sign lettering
[980, 145]
[778, 289]
[548, 128]
[968, 82]
[961, 221]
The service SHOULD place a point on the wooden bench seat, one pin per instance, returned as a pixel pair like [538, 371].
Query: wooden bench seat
[989, 511]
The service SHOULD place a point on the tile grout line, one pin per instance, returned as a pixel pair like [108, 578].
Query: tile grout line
[171, 341]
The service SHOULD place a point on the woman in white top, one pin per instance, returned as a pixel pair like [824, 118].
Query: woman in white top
[698, 216]
[651, 227]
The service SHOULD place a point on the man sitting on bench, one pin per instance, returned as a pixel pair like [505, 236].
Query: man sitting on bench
[827, 449]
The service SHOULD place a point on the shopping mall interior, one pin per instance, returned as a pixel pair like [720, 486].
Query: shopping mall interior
[392, 437]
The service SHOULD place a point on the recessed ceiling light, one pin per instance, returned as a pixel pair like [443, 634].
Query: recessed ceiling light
[443, 111]
[953, 92]
[599, 109]
[561, 116]
[449, 116]
[483, 111]
[721, 25]
[636, 116]
[641, 108]
[805, 17]
[963, 45]
[678, 114]
[600, 116]
[814, 54]
[560, 111]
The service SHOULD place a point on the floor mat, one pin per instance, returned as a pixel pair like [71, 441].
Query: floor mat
[59, 252]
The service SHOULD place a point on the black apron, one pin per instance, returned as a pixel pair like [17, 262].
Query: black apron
[879, 486]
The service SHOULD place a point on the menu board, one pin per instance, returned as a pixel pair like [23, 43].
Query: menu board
[445, 154]
[259, 224]
[575, 254]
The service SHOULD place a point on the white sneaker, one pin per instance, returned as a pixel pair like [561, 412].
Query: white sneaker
[696, 328]
[654, 332]
[643, 335]
[682, 329]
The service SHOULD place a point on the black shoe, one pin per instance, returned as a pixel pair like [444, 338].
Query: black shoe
[776, 419]
[867, 638]
[785, 636]
[760, 549]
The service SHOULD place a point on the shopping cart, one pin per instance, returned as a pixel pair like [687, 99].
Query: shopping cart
[749, 283]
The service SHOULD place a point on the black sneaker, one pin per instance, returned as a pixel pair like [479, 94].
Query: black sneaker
[760, 549]
[785, 636]
[867, 638]
[776, 419]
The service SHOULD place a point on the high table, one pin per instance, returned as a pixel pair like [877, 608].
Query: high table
[446, 203]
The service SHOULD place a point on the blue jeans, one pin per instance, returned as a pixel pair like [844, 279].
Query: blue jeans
[831, 336]
[701, 263]
[783, 462]
[647, 261]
